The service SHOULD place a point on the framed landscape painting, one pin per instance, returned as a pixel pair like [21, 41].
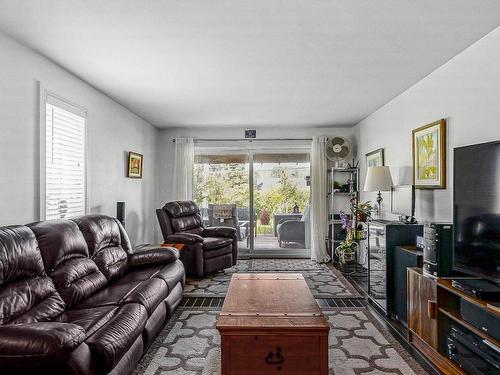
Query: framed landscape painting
[375, 158]
[429, 156]
[134, 165]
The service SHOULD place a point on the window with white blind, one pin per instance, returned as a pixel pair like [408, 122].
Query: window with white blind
[65, 160]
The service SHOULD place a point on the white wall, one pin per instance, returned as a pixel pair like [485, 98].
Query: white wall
[112, 131]
[167, 147]
[465, 91]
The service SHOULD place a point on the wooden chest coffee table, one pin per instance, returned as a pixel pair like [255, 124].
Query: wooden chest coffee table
[271, 324]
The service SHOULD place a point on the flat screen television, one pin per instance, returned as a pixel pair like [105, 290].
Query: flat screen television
[476, 210]
[403, 200]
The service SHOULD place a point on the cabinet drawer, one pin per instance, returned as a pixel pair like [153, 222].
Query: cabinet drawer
[260, 355]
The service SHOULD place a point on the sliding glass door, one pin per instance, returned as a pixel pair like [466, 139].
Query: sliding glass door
[221, 189]
[281, 201]
[264, 195]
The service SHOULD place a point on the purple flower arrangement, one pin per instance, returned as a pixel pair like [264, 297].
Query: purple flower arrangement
[345, 220]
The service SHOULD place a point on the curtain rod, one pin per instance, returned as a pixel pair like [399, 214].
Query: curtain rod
[248, 139]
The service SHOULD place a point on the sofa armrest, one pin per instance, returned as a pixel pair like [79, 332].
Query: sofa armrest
[36, 344]
[157, 255]
[229, 232]
[188, 238]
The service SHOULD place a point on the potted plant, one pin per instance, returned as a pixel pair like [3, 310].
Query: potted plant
[362, 211]
[347, 250]
[265, 218]
[359, 233]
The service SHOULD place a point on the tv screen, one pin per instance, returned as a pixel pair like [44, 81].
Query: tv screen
[403, 200]
[476, 210]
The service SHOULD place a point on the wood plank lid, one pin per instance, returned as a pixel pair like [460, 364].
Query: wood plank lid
[270, 300]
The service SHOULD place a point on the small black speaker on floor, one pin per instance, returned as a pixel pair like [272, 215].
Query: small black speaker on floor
[120, 212]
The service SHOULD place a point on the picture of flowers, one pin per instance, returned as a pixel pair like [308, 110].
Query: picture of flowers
[134, 165]
[429, 156]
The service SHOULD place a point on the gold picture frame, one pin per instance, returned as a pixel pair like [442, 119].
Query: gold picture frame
[134, 165]
[429, 156]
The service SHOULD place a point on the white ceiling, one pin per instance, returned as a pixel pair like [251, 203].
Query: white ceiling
[252, 62]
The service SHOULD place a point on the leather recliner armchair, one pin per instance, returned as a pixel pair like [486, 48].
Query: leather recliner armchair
[206, 250]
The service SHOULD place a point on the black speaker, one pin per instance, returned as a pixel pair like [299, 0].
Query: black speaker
[120, 212]
[438, 249]
[404, 257]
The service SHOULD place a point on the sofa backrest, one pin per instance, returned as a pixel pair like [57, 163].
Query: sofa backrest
[108, 244]
[27, 294]
[66, 259]
[180, 217]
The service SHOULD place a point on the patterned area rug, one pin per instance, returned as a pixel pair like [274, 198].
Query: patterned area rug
[324, 281]
[358, 344]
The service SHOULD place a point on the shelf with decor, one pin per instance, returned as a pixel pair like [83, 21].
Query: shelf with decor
[347, 222]
[342, 186]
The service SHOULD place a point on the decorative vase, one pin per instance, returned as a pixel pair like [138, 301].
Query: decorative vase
[359, 234]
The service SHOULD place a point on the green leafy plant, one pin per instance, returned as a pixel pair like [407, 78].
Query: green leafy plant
[346, 251]
[362, 210]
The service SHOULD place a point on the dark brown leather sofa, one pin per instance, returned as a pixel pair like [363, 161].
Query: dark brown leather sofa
[206, 250]
[76, 299]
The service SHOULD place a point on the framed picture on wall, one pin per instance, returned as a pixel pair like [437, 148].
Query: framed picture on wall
[429, 156]
[134, 165]
[375, 158]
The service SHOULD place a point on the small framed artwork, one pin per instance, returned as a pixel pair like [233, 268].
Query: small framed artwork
[429, 156]
[134, 165]
[375, 158]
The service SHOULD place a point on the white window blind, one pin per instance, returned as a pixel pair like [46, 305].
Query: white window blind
[65, 185]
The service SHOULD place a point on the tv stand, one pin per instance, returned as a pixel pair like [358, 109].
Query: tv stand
[479, 288]
[436, 309]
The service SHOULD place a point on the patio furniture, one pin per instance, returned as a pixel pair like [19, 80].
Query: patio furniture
[278, 218]
[231, 220]
[243, 214]
[292, 230]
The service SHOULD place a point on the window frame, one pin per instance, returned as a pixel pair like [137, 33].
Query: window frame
[43, 96]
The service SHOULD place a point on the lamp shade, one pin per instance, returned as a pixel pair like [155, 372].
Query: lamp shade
[378, 179]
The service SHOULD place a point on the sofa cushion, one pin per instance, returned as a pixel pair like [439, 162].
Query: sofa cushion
[149, 293]
[104, 240]
[112, 262]
[99, 231]
[172, 274]
[111, 295]
[38, 344]
[66, 259]
[29, 301]
[149, 256]
[113, 339]
[210, 243]
[26, 293]
[77, 279]
[139, 274]
[91, 319]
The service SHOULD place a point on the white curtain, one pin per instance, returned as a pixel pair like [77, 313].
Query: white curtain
[318, 200]
[183, 168]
